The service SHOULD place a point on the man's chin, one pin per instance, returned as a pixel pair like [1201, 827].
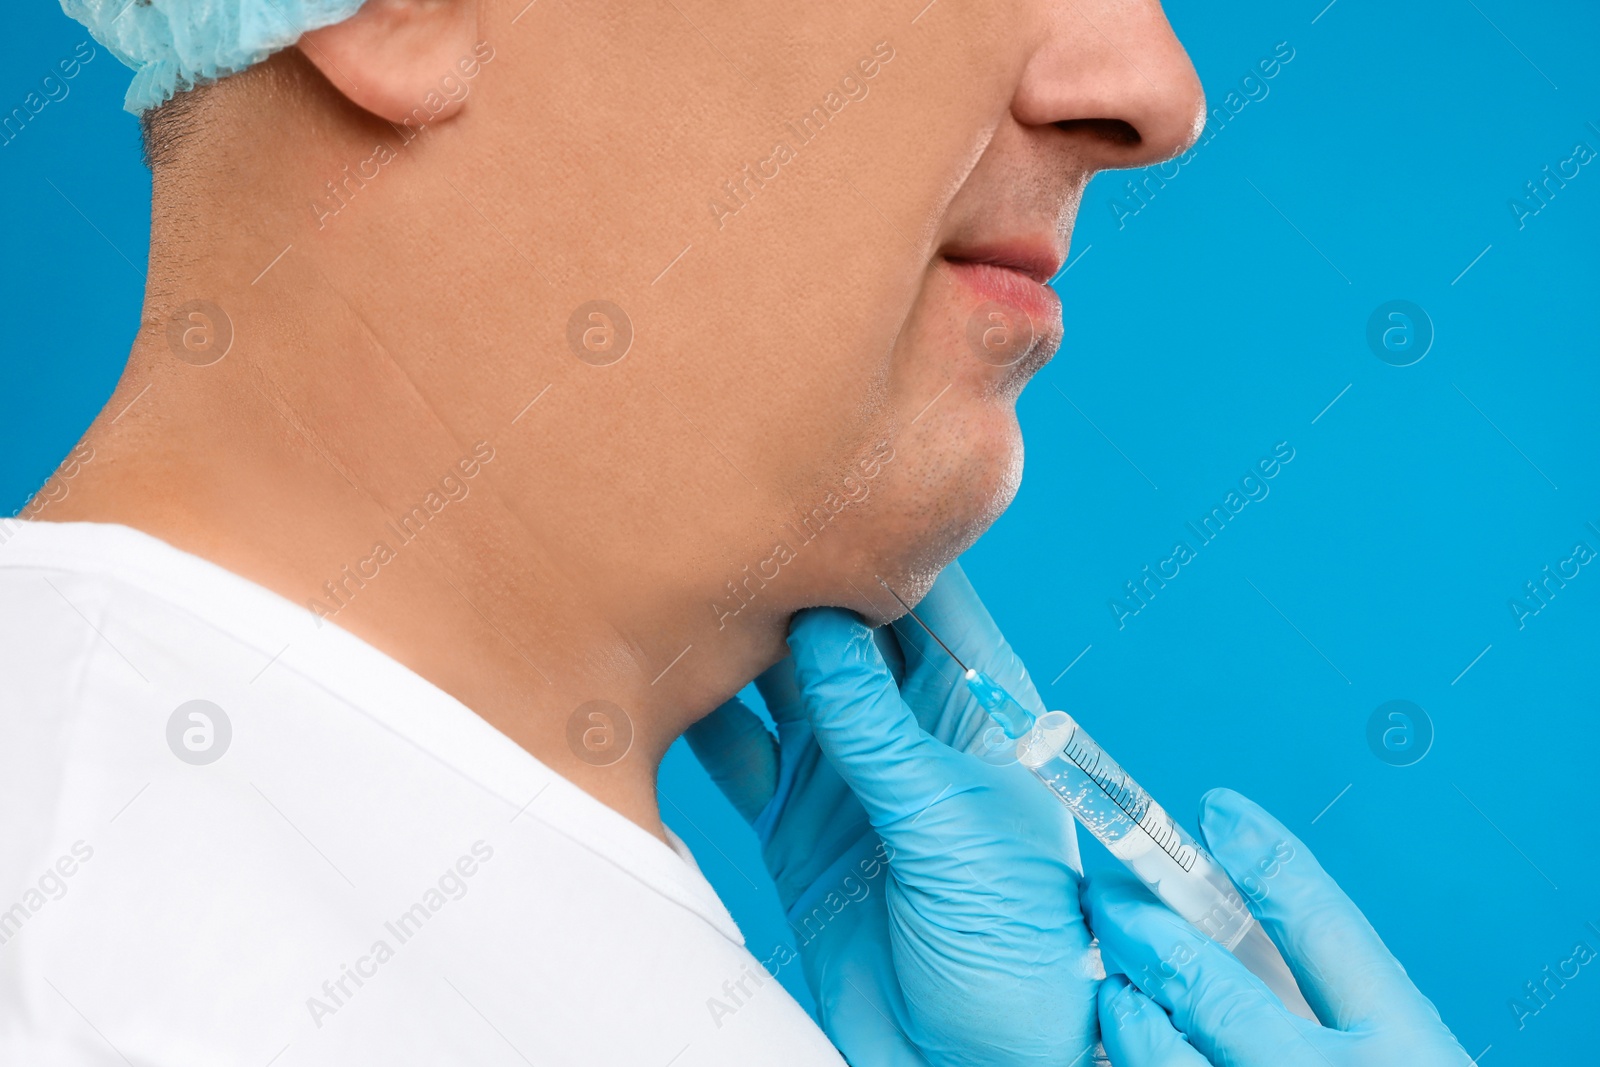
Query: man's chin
[935, 493]
[903, 574]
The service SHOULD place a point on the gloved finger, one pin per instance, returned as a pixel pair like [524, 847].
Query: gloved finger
[894, 656]
[740, 755]
[869, 735]
[1225, 1011]
[953, 610]
[781, 693]
[1348, 976]
[1137, 1033]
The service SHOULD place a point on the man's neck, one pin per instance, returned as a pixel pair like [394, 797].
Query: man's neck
[321, 458]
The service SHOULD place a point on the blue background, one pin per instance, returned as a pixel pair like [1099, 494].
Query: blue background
[1220, 319]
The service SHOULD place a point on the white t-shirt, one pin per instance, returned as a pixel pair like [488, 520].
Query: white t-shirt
[368, 873]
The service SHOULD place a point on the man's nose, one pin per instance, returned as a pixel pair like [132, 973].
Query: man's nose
[1113, 68]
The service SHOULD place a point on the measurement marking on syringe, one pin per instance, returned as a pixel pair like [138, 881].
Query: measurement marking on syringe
[1166, 840]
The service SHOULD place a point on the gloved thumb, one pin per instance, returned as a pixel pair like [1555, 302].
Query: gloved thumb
[733, 745]
[1347, 974]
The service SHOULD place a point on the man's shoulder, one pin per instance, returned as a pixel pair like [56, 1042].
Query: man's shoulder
[227, 824]
[79, 624]
[54, 639]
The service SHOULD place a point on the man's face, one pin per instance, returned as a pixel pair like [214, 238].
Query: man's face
[827, 227]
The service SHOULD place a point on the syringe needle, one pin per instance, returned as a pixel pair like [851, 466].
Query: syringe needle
[919, 622]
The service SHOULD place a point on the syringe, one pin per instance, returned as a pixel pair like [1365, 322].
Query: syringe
[1128, 822]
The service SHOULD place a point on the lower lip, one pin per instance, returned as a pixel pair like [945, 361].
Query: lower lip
[1013, 288]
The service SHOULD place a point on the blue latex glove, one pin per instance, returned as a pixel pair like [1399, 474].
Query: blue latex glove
[1218, 1012]
[934, 896]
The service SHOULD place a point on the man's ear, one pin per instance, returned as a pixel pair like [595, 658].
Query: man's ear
[391, 54]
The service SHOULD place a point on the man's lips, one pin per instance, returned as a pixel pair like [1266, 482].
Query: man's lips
[1020, 286]
[1039, 260]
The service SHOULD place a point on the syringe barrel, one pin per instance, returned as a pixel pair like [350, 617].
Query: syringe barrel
[1108, 803]
[1134, 828]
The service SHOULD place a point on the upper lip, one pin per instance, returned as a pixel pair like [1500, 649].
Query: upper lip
[1038, 258]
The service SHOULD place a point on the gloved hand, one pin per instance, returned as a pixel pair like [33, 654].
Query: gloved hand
[933, 895]
[1218, 1012]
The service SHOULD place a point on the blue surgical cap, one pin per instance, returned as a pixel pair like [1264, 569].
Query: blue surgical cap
[173, 45]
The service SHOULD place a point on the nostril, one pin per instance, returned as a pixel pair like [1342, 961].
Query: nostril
[1115, 131]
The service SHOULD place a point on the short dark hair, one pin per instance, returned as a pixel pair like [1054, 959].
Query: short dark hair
[164, 128]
